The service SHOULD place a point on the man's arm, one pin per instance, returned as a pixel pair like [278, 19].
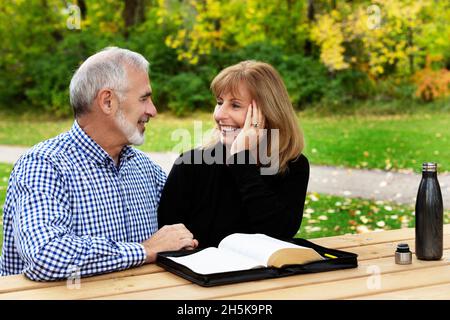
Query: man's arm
[43, 231]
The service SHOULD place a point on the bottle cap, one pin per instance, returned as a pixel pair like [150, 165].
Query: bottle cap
[429, 167]
[403, 255]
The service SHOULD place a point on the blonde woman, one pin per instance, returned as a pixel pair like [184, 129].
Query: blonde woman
[255, 121]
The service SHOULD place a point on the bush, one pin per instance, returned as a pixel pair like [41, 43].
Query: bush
[187, 92]
[393, 88]
[39, 78]
[49, 76]
[306, 79]
[260, 51]
[346, 86]
[432, 84]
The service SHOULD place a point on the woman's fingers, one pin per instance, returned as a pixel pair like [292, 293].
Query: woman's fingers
[261, 119]
[255, 120]
[248, 118]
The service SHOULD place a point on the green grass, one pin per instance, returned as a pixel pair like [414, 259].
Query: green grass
[27, 131]
[160, 130]
[326, 215]
[390, 142]
[386, 142]
[5, 170]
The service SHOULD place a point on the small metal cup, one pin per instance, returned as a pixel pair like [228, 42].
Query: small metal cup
[403, 255]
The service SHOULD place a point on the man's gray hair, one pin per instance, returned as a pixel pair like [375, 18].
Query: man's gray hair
[105, 69]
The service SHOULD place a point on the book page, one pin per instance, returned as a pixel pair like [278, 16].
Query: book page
[256, 246]
[214, 260]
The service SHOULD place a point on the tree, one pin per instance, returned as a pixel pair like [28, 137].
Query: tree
[378, 37]
[311, 19]
[228, 25]
[133, 13]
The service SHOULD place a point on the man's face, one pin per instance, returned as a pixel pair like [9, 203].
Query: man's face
[136, 107]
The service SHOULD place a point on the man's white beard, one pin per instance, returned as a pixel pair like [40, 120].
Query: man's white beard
[131, 131]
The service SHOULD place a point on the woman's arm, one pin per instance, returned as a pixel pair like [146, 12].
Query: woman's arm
[176, 197]
[275, 211]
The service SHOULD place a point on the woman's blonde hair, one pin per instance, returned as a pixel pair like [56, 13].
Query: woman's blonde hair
[269, 92]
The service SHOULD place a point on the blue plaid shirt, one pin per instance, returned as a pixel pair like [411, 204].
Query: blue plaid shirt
[69, 209]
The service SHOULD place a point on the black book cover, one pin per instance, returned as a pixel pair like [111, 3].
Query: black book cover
[343, 260]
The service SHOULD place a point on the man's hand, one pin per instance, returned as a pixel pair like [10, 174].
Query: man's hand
[168, 238]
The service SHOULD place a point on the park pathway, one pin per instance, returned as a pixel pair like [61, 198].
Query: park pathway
[369, 184]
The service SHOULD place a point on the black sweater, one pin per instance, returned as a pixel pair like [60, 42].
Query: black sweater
[215, 200]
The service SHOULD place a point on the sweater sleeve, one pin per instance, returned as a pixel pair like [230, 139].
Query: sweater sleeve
[176, 196]
[274, 211]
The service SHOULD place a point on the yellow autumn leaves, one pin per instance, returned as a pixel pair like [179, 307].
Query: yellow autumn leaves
[370, 38]
[328, 35]
[386, 34]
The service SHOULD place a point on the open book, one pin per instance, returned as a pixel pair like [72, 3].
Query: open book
[241, 251]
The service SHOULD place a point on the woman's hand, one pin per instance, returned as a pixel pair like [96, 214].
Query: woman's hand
[251, 133]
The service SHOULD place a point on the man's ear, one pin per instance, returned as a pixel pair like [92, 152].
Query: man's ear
[104, 101]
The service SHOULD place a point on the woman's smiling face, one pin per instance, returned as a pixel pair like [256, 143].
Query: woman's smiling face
[230, 113]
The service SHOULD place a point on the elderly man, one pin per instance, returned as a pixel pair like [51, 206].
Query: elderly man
[85, 201]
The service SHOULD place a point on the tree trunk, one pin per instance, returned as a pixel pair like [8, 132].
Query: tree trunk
[410, 45]
[133, 13]
[311, 19]
[83, 8]
[333, 4]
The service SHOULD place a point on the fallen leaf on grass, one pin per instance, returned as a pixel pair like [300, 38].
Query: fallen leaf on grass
[381, 224]
[364, 219]
[362, 229]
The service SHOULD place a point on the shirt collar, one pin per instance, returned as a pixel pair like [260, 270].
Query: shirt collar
[93, 150]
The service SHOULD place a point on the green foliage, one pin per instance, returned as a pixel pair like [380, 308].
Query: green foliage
[41, 54]
[334, 59]
[394, 88]
[298, 72]
[347, 86]
[187, 92]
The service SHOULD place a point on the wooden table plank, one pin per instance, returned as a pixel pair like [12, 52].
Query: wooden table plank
[436, 292]
[351, 288]
[363, 239]
[20, 282]
[365, 268]
[99, 288]
[387, 249]
[151, 281]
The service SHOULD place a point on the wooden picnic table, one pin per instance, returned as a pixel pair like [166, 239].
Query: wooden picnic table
[377, 277]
